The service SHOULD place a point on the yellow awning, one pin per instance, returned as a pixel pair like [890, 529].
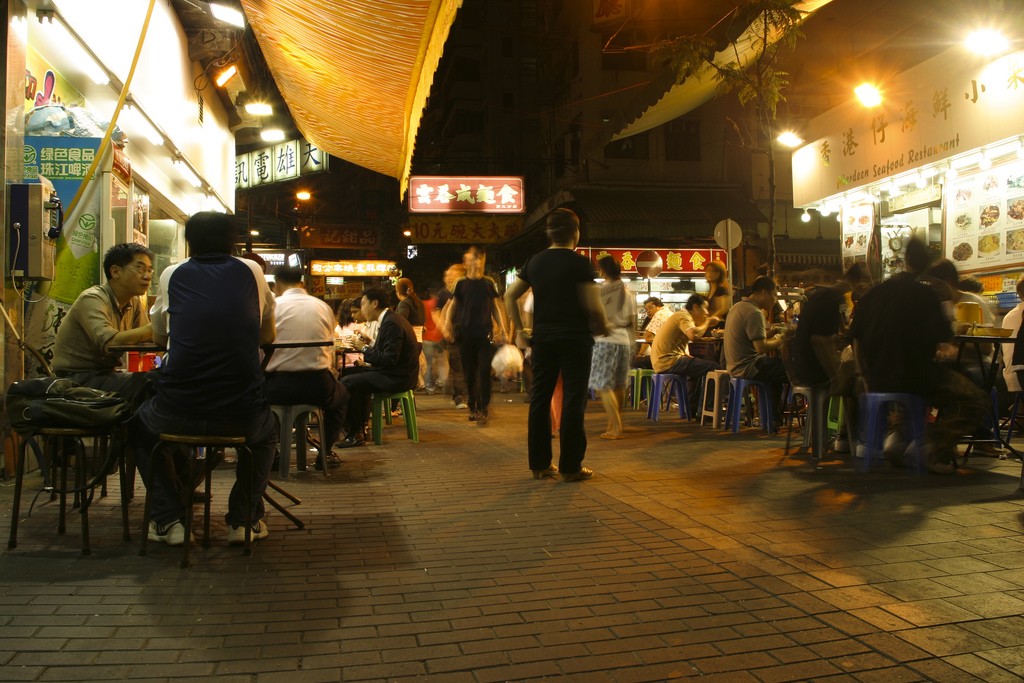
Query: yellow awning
[355, 74]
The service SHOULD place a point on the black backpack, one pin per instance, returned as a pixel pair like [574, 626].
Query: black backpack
[49, 402]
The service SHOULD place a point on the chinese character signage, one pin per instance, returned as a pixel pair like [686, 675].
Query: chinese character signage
[608, 11]
[466, 194]
[676, 261]
[61, 160]
[945, 106]
[463, 229]
[338, 237]
[283, 161]
[362, 268]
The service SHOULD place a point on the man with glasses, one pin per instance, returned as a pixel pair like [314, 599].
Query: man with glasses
[111, 314]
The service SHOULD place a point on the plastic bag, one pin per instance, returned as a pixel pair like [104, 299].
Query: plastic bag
[507, 362]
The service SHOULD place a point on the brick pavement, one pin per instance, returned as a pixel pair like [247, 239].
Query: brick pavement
[692, 553]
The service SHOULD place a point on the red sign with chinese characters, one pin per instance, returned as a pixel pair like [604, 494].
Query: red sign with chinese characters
[466, 194]
[674, 261]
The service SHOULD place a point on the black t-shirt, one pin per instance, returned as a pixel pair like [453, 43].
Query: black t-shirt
[820, 316]
[555, 276]
[898, 326]
[474, 302]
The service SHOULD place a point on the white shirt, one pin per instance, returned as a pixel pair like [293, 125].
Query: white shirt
[1012, 322]
[302, 318]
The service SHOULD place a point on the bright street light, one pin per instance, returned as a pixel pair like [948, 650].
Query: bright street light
[868, 95]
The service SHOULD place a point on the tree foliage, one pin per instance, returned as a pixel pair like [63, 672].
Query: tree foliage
[741, 53]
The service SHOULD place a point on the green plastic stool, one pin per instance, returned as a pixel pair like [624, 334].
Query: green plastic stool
[639, 375]
[834, 420]
[380, 411]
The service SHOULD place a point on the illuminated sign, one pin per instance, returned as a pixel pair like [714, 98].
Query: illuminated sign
[283, 161]
[364, 268]
[290, 258]
[674, 261]
[463, 229]
[335, 280]
[466, 194]
[338, 237]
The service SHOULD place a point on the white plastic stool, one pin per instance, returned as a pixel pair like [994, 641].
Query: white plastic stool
[716, 384]
[287, 415]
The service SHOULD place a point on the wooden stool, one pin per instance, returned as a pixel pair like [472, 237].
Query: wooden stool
[381, 413]
[287, 416]
[61, 446]
[195, 443]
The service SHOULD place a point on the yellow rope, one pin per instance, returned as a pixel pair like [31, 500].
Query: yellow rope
[117, 112]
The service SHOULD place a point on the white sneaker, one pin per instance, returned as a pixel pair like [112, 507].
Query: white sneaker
[173, 534]
[236, 534]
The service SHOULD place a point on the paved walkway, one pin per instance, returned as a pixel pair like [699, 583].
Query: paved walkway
[692, 553]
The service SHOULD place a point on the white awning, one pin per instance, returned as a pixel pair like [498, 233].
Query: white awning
[696, 90]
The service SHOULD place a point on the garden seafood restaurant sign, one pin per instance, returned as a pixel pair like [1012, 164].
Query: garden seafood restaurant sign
[466, 194]
[676, 261]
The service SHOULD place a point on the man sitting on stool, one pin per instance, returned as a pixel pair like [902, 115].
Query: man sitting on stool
[394, 363]
[306, 375]
[214, 311]
[108, 315]
[670, 348]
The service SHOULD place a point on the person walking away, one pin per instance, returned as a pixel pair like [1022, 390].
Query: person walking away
[412, 309]
[610, 365]
[474, 316]
[567, 313]
[455, 272]
[435, 370]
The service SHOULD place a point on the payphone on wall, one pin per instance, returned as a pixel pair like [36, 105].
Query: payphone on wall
[35, 219]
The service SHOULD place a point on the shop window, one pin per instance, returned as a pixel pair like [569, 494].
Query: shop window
[682, 140]
[633, 147]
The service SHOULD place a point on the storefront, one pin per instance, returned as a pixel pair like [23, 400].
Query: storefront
[940, 159]
[169, 155]
[681, 272]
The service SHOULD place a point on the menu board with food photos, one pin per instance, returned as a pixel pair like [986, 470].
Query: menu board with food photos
[858, 220]
[985, 218]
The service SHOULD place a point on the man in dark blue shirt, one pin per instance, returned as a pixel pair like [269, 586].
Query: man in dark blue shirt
[214, 311]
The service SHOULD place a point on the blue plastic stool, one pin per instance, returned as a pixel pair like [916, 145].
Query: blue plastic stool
[874, 413]
[666, 385]
[738, 388]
